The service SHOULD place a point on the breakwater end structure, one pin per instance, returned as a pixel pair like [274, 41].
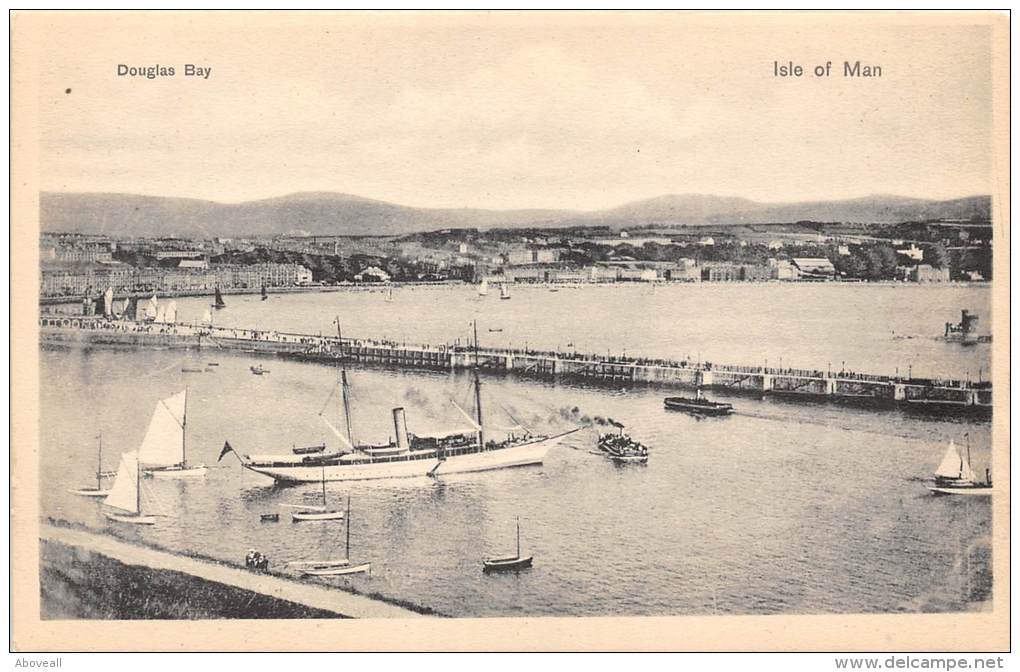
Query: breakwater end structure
[935, 396]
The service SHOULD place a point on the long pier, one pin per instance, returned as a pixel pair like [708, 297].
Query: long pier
[935, 396]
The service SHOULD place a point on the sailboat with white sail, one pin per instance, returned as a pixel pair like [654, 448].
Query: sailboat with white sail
[483, 287]
[126, 494]
[955, 476]
[504, 292]
[164, 449]
[409, 455]
[98, 490]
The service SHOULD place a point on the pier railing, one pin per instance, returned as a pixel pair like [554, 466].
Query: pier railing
[783, 381]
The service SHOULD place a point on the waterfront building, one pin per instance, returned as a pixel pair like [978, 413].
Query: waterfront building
[808, 268]
[927, 273]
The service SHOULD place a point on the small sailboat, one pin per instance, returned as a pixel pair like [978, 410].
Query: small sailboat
[504, 292]
[305, 512]
[389, 295]
[483, 287]
[164, 449]
[126, 494]
[955, 476]
[340, 567]
[510, 562]
[98, 490]
[265, 294]
[218, 300]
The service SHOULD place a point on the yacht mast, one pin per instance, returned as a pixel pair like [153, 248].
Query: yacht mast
[478, 395]
[344, 388]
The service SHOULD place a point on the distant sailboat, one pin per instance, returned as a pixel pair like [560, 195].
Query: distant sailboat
[389, 295]
[151, 308]
[504, 292]
[207, 317]
[126, 493]
[108, 302]
[955, 476]
[265, 294]
[164, 448]
[170, 316]
[483, 288]
[218, 300]
[98, 490]
[336, 567]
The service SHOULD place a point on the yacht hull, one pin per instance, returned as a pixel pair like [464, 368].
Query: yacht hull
[519, 455]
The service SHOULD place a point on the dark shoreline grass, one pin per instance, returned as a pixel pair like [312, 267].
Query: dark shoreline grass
[405, 604]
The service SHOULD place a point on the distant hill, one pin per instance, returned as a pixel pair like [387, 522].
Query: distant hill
[344, 214]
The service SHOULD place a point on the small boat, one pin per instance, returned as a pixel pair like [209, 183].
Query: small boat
[339, 567]
[389, 295]
[126, 494]
[954, 475]
[212, 364]
[511, 562]
[164, 449]
[698, 405]
[315, 513]
[309, 450]
[187, 370]
[621, 448]
[218, 300]
[483, 288]
[258, 370]
[98, 490]
[496, 331]
[504, 292]
[265, 294]
[269, 517]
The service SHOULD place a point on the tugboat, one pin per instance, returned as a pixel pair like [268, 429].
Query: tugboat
[965, 331]
[621, 448]
[698, 405]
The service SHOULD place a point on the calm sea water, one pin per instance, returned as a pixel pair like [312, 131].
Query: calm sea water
[782, 508]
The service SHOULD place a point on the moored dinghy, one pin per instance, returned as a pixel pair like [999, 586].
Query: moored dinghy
[98, 490]
[510, 562]
[316, 512]
[339, 567]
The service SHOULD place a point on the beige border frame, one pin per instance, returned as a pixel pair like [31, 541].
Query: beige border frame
[966, 632]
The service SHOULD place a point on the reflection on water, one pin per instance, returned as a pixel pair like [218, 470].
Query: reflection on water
[782, 508]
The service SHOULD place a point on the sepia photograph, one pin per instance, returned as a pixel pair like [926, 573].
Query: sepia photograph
[693, 322]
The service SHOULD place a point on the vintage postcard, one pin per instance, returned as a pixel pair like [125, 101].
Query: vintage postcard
[510, 331]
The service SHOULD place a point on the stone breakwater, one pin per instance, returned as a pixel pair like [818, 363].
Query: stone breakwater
[935, 396]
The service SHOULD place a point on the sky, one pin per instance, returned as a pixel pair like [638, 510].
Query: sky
[508, 110]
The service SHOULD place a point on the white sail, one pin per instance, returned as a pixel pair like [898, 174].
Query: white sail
[966, 472]
[483, 288]
[161, 313]
[124, 493]
[952, 463]
[163, 444]
[207, 317]
[171, 313]
[108, 302]
[151, 307]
